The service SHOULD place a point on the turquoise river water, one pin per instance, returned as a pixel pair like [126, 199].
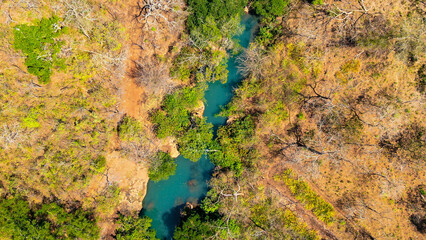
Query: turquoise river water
[165, 199]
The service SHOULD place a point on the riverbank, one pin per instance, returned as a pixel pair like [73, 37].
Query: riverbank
[165, 199]
[142, 44]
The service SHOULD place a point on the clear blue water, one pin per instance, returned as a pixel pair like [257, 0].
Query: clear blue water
[165, 199]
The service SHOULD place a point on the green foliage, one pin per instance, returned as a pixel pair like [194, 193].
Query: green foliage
[296, 52]
[107, 201]
[193, 228]
[50, 221]
[99, 163]
[171, 123]
[208, 65]
[210, 203]
[233, 145]
[317, 2]
[214, 73]
[174, 117]
[268, 32]
[193, 143]
[198, 226]
[277, 113]
[107, 35]
[182, 67]
[301, 116]
[270, 8]
[301, 190]
[275, 220]
[162, 167]
[134, 228]
[212, 12]
[30, 121]
[351, 66]
[129, 129]
[40, 46]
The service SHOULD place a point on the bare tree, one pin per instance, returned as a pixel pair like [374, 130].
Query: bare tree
[152, 74]
[79, 14]
[10, 135]
[235, 194]
[154, 12]
[252, 61]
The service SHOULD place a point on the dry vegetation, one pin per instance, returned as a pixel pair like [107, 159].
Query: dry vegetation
[60, 138]
[333, 90]
[337, 99]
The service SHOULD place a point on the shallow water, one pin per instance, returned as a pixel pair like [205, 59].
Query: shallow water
[165, 199]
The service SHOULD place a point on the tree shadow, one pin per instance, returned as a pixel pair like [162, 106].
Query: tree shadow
[171, 219]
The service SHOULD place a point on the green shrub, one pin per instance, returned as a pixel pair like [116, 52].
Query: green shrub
[193, 143]
[198, 225]
[31, 120]
[133, 228]
[218, 11]
[270, 8]
[174, 118]
[50, 221]
[264, 215]
[107, 201]
[211, 203]
[129, 129]
[317, 2]
[277, 113]
[40, 46]
[301, 116]
[268, 31]
[312, 201]
[99, 163]
[351, 66]
[162, 167]
[232, 145]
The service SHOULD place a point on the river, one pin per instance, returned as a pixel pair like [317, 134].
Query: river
[165, 199]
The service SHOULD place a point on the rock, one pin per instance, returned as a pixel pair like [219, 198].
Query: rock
[199, 111]
[169, 145]
[132, 179]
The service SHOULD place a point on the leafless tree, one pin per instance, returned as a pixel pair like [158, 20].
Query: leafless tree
[152, 74]
[154, 12]
[138, 151]
[235, 194]
[10, 135]
[349, 18]
[28, 4]
[252, 61]
[79, 14]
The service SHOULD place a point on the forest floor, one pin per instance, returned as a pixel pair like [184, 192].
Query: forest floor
[142, 44]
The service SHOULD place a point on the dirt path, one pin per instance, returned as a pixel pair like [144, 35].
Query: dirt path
[283, 191]
[292, 203]
[130, 93]
[359, 231]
